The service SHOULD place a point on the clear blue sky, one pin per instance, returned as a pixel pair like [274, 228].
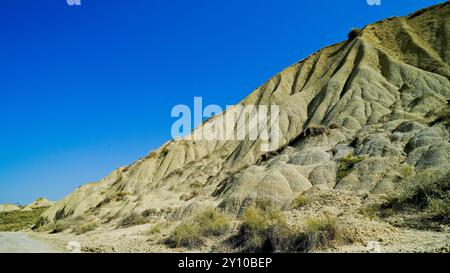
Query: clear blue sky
[84, 90]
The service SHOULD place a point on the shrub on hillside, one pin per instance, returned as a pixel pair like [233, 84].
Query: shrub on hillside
[155, 229]
[319, 233]
[429, 191]
[269, 232]
[85, 227]
[300, 201]
[190, 233]
[133, 219]
[260, 231]
[346, 166]
[212, 222]
[186, 235]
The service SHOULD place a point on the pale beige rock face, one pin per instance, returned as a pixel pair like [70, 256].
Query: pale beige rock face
[375, 95]
[39, 203]
[8, 207]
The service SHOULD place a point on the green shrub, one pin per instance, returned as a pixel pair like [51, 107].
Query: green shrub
[190, 233]
[429, 191]
[133, 219]
[155, 229]
[186, 235]
[85, 227]
[196, 185]
[260, 231]
[417, 191]
[319, 233]
[442, 116]
[406, 170]
[346, 166]
[105, 201]
[269, 232]
[212, 222]
[300, 201]
[149, 212]
[375, 211]
[57, 227]
[440, 208]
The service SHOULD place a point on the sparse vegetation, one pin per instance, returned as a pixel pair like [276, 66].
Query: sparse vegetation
[261, 231]
[269, 232]
[189, 195]
[333, 126]
[58, 226]
[155, 229]
[85, 227]
[19, 219]
[212, 222]
[442, 116]
[149, 212]
[133, 219]
[300, 201]
[151, 155]
[314, 130]
[196, 185]
[406, 170]
[122, 195]
[376, 211]
[440, 207]
[105, 201]
[428, 191]
[319, 233]
[186, 235]
[346, 166]
[191, 233]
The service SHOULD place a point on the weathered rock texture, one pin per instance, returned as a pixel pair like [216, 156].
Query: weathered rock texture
[373, 101]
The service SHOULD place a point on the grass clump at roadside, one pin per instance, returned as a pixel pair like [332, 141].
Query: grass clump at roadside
[260, 231]
[186, 235]
[191, 233]
[319, 233]
[268, 231]
[19, 219]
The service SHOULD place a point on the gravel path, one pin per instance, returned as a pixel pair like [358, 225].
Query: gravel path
[18, 242]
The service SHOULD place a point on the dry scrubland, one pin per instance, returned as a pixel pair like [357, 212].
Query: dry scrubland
[364, 156]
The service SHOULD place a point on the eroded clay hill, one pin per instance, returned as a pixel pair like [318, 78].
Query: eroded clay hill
[354, 116]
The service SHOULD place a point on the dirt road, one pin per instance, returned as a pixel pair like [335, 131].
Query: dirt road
[19, 242]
